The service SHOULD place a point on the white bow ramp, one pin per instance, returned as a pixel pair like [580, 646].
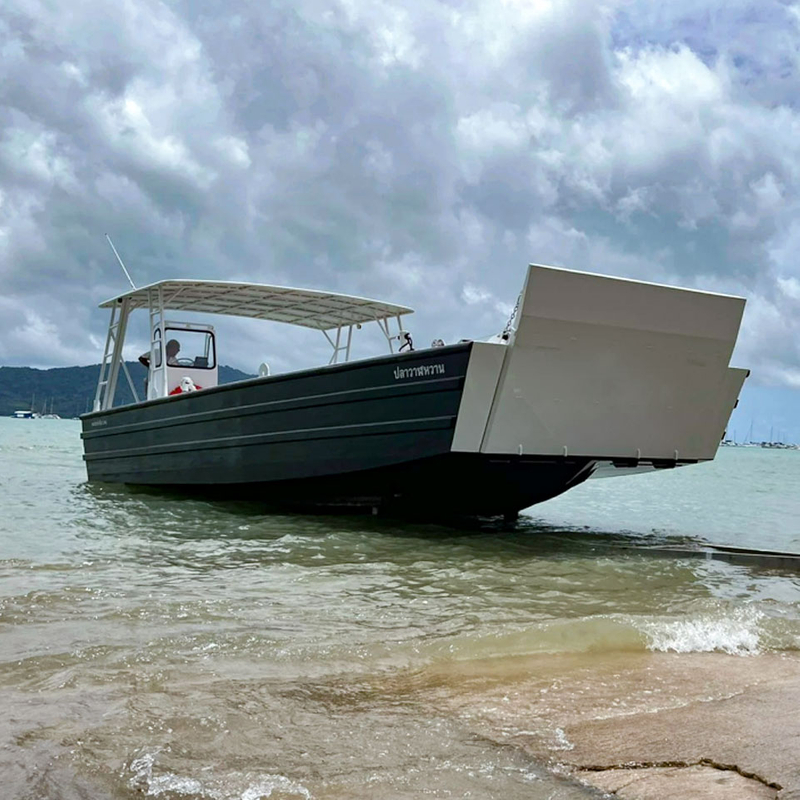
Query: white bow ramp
[606, 368]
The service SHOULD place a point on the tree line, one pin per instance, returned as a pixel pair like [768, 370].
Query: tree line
[69, 391]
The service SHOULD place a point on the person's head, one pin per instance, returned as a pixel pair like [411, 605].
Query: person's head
[173, 348]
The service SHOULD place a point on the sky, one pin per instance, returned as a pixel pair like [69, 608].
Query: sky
[417, 153]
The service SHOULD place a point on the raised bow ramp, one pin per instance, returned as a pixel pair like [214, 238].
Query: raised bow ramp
[609, 369]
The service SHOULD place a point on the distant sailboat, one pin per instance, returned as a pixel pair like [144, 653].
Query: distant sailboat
[51, 415]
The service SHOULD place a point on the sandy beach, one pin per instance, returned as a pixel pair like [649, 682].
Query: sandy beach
[644, 726]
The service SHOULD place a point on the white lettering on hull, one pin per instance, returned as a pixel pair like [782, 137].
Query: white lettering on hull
[424, 371]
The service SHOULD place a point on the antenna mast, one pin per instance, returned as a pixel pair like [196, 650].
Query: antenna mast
[133, 285]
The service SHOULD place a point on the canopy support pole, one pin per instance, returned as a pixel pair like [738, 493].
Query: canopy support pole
[337, 344]
[112, 357]
[130, 382]
[157, 371]
[383, 324]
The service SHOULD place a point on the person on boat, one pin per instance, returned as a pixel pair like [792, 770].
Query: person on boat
[173, 348]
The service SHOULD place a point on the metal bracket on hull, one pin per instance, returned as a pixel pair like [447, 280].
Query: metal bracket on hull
[383, 324]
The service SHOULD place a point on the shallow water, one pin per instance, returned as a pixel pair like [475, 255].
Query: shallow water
[161, 646]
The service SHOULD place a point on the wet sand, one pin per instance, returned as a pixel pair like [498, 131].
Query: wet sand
[749, 739]
[644, 726]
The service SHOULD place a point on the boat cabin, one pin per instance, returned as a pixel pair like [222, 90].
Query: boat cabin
[183, 355]
[186, 362]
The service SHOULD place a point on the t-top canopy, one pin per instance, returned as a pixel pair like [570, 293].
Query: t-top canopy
[307, 307]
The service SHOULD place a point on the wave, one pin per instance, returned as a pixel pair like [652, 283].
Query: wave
[233, 787]
[595, 634]
[737, 631]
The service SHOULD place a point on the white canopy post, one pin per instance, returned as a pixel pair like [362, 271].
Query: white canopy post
[105, 363]
[338, 346]
[112, 355]
[157, 372]
[130, 381]
[349, 340]
[383, 324]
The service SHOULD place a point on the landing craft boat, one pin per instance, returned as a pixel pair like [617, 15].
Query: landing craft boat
[593, 376]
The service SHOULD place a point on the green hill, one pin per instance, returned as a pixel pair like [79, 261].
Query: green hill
[71, 389]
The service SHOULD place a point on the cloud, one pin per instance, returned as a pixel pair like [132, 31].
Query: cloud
[419, 154]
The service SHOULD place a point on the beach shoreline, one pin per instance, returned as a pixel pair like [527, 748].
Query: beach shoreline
[642, 726]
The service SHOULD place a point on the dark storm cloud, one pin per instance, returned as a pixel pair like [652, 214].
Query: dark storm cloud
[422, 154]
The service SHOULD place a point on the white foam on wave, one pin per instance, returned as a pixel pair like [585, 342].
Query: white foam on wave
[269, 783]
[561, 740]
[737, 634]
[154, 785]
[143, 780]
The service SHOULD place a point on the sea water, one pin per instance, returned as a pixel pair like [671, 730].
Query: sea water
[153, 645]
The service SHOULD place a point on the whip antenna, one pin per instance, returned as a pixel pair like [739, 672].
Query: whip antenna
[120, 262]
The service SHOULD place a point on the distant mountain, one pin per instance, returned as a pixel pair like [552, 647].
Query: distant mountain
[71, 390]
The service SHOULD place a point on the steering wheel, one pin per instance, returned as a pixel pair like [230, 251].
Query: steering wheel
[184, 362]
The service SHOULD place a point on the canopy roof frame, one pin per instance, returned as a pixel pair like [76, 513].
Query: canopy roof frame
[309, 308]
